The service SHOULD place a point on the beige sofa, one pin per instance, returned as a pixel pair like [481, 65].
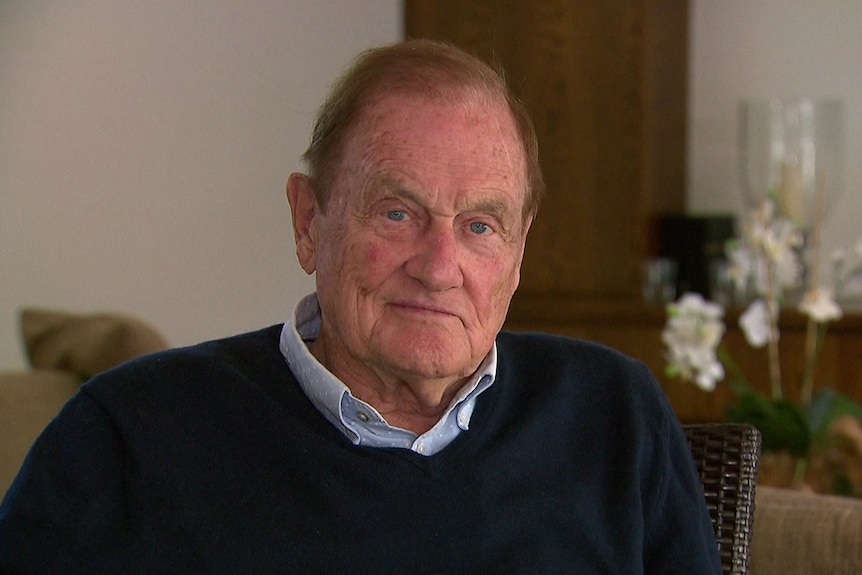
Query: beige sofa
[802, 533]
[794, 532]
[63, 349]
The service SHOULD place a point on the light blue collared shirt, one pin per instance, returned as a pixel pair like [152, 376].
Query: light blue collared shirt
[357, 420]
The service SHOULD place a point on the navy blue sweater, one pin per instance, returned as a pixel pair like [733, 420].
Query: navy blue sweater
[211, 459]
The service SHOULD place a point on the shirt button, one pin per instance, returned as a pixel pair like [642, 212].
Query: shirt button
[362, 416]
[421, 447]
[462, 418]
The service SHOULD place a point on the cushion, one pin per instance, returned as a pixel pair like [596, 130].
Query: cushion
[85, 344]
[28, 401]
[806, 533]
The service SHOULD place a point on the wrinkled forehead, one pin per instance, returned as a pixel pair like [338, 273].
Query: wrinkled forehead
[465, 127]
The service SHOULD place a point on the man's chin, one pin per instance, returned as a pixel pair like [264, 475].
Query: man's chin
[428, 358]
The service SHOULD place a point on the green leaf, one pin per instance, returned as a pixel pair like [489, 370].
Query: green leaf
[782, 425]
[826, 406]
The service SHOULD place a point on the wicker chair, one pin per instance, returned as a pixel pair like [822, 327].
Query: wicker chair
[727, 457]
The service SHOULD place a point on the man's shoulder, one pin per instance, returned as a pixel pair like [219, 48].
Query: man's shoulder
[568, 366]
[545, 347]
[242, 354]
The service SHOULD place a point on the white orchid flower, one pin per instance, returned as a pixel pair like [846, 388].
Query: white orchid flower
[846, 269]
[693, 331]
[771, 249]
[755, 323]
[709, 374]
[693, 304]
[820, 305]
[742, 265]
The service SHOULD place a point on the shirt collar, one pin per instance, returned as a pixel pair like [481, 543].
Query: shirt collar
[356, 419]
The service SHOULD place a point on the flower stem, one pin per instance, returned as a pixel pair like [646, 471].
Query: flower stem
[810, 352]
[774, 360]
[813, 335]
[772, 348]
[732, 367]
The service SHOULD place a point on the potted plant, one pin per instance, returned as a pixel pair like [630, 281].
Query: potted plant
[817, 437]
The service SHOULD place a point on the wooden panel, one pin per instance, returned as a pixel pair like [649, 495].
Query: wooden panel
[605, 83]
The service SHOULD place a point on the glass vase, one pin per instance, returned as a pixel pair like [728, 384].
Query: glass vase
[792, 149]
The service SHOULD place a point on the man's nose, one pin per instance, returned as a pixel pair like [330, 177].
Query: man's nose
[435, 261]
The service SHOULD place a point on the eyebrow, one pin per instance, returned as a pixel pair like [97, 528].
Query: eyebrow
[491, 206]
[383, 187]
[386, 187]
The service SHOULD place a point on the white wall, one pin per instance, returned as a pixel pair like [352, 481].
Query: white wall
[144, 149]
[771, 48]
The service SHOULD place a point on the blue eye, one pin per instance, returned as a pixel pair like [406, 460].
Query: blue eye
[396, 215]
[478, 227]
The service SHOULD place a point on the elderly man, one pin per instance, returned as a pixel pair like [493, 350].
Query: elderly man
[388, 426]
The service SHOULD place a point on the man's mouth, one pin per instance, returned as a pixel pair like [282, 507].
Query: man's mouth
[422, 308]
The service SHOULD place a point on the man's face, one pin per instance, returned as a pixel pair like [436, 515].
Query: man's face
[418, 252]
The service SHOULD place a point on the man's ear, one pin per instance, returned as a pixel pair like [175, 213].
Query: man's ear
[303, 208]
